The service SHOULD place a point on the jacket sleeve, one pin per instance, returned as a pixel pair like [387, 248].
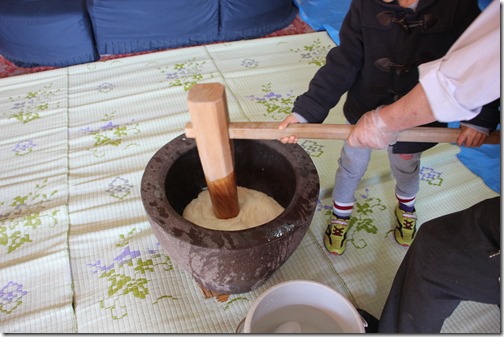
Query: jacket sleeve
[489, 117]
[332, 80]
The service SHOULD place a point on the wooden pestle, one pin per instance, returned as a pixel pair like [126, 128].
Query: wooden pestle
[208, 110]
[269, 130]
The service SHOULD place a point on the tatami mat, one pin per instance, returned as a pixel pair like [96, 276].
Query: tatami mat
[77, 253]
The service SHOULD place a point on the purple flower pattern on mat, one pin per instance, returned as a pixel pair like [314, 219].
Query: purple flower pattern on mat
[431, 176]
[184, 75]
[277, 104]
[99, 267]
[24, 215]
[11, 297]
[313, 54]
[105, 87]
[322, 207]
[111, 134]
[250, 63]
[23, 148]
[119, 188]
[127, 275]
[28, 107]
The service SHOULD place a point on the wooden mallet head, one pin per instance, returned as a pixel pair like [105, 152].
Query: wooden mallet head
[208, 110]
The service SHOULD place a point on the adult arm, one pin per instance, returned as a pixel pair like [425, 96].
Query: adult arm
[468, 77]
[451, 88]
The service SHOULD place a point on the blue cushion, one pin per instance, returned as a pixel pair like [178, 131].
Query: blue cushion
[242, 19]
[45, 33]
[67, 32]
[126, 26]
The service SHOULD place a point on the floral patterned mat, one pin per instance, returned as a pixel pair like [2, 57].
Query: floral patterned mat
[77, 253]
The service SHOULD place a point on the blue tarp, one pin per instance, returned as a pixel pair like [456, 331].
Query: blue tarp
[484, 161]
[325, 15]
[328, 15]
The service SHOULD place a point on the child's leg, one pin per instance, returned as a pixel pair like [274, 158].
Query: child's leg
[353, 163]
[405, 169]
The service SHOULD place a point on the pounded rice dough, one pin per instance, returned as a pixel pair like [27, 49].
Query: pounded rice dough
[256, 208]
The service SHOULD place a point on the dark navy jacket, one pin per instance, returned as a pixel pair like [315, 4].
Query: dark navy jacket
[376, 63]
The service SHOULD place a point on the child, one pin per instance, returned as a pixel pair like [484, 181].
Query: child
[382, 44]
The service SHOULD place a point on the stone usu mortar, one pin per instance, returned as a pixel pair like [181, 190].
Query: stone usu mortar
[230, 262]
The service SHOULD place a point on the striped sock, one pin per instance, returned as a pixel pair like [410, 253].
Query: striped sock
[343, 210]
[407, 204]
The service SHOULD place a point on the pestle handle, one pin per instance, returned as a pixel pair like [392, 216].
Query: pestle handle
[269, 130]
[208, 110]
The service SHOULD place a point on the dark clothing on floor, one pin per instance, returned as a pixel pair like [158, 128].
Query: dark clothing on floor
[449, 261]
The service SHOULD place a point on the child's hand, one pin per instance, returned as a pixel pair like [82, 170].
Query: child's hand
[470, 137]
[291, 119]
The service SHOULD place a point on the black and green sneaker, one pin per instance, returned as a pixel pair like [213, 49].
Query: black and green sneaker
[405, 230]
[335, 235]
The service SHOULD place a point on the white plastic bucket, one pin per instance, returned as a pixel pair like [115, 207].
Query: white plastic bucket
[302, 306]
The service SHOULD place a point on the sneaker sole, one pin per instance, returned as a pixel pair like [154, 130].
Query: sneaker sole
[403, 244]
[335, 253]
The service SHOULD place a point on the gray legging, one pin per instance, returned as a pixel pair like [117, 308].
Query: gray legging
[353, 163]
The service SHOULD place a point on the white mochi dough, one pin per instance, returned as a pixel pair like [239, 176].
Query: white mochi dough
[256, 208]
